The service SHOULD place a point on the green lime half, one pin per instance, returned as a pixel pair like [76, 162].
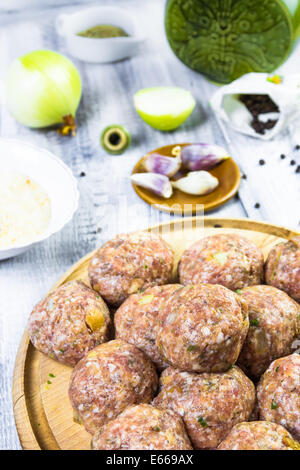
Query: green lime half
[224, 39]
[115, 139]
[164, 108]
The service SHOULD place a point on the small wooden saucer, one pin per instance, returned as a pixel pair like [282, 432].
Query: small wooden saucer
[227, 172]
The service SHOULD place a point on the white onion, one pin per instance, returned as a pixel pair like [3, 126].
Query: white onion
[43, 88]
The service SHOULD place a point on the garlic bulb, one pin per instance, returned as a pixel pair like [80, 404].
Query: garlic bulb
[158, 184]
[197, 183]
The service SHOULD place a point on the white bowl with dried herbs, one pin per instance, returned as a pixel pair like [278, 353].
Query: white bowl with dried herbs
[100, 34]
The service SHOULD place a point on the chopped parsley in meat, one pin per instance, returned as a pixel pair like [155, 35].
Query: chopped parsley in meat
[274, 405]
[192, 347]
[202, 421]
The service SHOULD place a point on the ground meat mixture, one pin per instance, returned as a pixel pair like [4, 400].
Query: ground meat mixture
[107, 380]
[209, 404]
[255, 412]
[259, 435]
[229, 260]
[69, 322]
[130, 263]
[274, 326]
[278, 394]
[282, 267]
[136, 321]
[202, 328]
[143, 427]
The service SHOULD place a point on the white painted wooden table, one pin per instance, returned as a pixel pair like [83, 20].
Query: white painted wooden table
[106, 191]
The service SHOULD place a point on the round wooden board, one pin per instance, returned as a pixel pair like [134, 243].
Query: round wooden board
[43, 414]
[227, 172]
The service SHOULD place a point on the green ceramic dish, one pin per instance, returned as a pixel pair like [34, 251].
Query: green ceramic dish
[224, 39]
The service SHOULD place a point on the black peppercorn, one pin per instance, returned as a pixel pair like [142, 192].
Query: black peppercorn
[298, 169]
[244, 177]
[257, 205]
[297, 147]
[260, 104]
[292, 162]
[82, 174]
[282, 156]
[262, 162]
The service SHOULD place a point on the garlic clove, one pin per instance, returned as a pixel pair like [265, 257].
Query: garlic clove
[202, 156]
[168, 166]
[197, 183]
[158, 184]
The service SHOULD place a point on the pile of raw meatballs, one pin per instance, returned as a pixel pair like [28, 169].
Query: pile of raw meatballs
[211, 338]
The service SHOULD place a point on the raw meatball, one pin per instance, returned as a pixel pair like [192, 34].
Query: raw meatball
[282, 267]
[278, 394]
[107, 380]
[129, 263]
[209, 404]
[136, 321]
[143, 427]
[229, 260]
[259, 435]
[69, 322]
[202, 328]
[274, 325]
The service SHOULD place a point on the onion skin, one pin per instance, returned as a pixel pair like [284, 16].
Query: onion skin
[42, 88]
[200, 156]
[158, 184]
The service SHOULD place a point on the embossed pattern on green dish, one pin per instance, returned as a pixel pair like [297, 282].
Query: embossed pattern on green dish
[224, 39]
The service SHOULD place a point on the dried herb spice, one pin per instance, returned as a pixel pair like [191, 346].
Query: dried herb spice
[103, 31]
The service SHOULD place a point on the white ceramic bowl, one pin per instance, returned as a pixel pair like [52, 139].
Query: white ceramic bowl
[99, 50]
[54, 177]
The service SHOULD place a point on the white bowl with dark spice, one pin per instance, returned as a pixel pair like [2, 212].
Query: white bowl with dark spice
[38, 196]
[78, 28]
